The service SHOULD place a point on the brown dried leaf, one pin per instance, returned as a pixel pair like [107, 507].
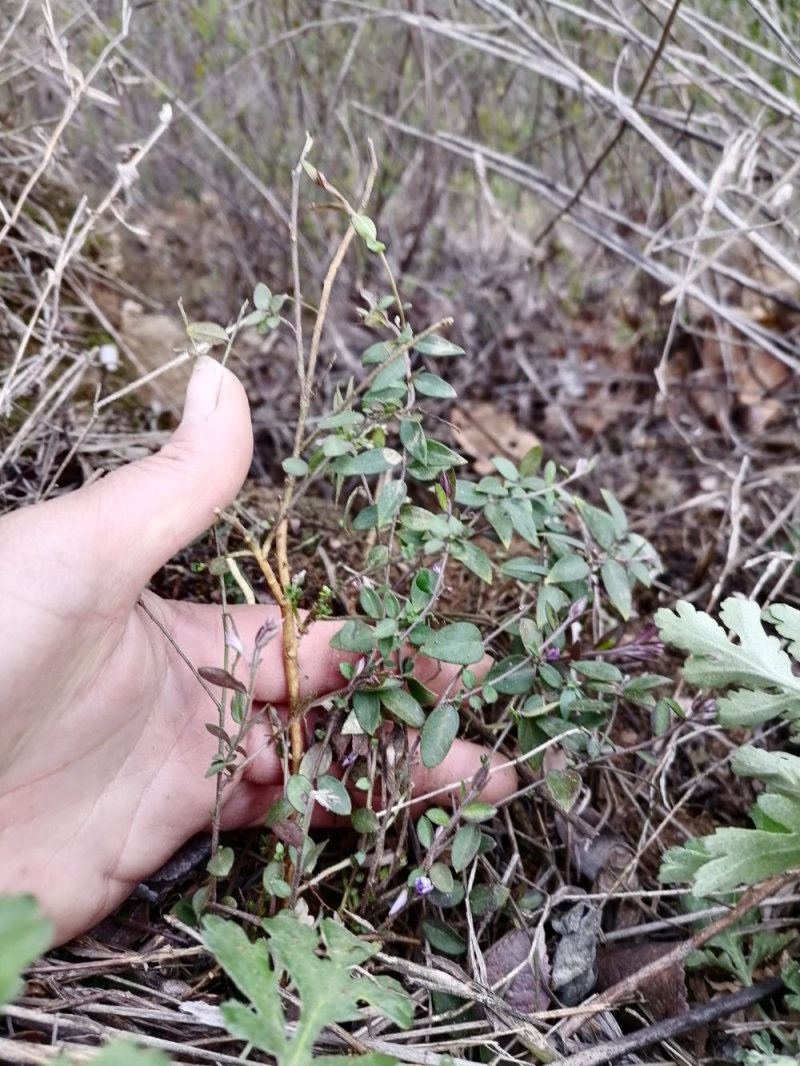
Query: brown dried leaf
[288, 833]
[525, 991]
[222, 678]
[664, 993]
[483, 432]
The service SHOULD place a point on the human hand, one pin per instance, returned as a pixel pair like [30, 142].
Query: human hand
[103, 745]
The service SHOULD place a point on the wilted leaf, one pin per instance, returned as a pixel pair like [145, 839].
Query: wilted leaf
[222, 678]
[664, 992]
[527, 989]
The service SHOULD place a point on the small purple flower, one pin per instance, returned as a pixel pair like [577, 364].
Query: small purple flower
[399, 903]
[266, 633]
[348, 760]
[423, 886]
[552, 655]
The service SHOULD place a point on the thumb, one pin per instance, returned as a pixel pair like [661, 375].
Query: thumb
[143, 513]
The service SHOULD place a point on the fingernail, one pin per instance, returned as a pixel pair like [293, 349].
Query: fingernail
[202, 393]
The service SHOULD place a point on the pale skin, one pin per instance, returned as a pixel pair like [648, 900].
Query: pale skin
[103, 745]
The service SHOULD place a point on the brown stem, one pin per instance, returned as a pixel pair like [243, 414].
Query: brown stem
[290, 647]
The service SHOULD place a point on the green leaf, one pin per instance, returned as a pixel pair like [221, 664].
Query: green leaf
[478, 812]
[355, 636]
[500, 522]
[617, 513]
[24, 935]
[262, 297]
[600, 524]
[505, 468]
[567, 569]
[442, 937]
[332, 447]
[459, 642]
[376, 353]
[524, 569]
[434, 386]
[618, 586]
[342, 420]
[521, 515]
[757, 661]
[438, 816]
[597, 670]
[365, 821]
[486, 899]
[512, 675]
[374, 461]
[367, 707]
[442, 877]
[439, 457]
[331, 794]
[403, 706]
[438, 734]
[425, 832]
[731, 858]
[298, 789]
[473, 557]
[465, 846]
[206, 334]
[437, 347]
[371, 603]
[329, 992]
[786, 620]
[295, 466]
[365, 228]
[221, 864]
[565, 787]
[412, 437]
[778, 769]
[393, 373]
[247, 964]
[391, 499]
[744, 707]
[417, 519]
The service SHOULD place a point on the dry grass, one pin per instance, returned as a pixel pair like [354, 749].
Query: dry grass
[604, 197]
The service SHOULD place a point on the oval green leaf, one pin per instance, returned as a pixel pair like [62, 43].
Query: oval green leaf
[437, 736]
[437, 347]
[459, 643]
[465, 847]
[569, 568]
